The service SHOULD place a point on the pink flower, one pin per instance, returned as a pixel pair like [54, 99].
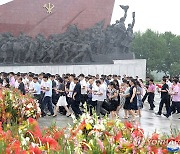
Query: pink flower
[100, 144]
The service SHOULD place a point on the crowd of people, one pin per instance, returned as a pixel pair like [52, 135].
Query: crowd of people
[103, 94]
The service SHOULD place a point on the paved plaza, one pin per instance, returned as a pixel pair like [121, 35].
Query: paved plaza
[149, 121]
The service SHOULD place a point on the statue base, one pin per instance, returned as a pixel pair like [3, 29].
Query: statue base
[132, 68]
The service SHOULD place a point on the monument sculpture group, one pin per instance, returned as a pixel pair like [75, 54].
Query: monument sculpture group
[72, 47]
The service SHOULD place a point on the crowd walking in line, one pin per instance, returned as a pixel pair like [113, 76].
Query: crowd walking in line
[104, 94]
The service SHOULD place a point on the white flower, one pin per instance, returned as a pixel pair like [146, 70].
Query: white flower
[23, 141]
[30, 105]
[27, 139]
[34, 144]
[99, 127]
[28, 112]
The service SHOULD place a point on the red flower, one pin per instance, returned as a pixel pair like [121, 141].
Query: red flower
[171, 139]
[118, 136]
[107, 133]
[31, 120]
[82, 125]
[34, 150]
[128, 125]
[165, 151]
[154, 149]
[178, 138]
[138, 133]
[57, 135]
[155, 136]
[14, 147]
[51, 143]
[159, 86]
[35, 130]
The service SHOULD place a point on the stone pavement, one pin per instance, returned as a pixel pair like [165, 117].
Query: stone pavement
[149, 121]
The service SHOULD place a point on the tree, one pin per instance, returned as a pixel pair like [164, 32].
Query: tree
[162, 51]
[152, 47]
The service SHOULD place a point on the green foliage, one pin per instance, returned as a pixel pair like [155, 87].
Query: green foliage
[162, 51]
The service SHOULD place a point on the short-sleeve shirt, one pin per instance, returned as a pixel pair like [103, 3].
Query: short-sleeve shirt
[164, 94]
[151, 88]
[94, 88]
[176, 98]
[83, 84]
[37, 88]
[101, 90]
[48, 85]
[62, 87]
[112, 93]
[71, 87]
[77, 90]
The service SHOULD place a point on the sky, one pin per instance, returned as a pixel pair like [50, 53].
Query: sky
[158, 15]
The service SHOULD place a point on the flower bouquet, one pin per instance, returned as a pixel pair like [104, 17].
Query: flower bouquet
[15, 107]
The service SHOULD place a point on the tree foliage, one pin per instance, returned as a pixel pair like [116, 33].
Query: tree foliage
[162, 51]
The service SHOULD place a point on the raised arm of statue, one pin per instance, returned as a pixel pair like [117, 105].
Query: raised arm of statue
[125, 8]
[133, 22]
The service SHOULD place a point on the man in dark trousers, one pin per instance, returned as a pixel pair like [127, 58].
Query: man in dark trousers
[164, 97]
[47, 89]
[54, 86]
[147, 85]
[76, 98]
[21, 86]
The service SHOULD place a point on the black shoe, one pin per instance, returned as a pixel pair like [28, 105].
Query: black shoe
[166, 115]
[158, 114]
[151, 109]
[43, 115]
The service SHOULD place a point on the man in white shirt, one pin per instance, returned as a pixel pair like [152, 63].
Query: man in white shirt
[71, 89]
[100, 97]
[92, 99]
[83, 89]
[47, 89]
[25, 80]
[168, 82]
[16, 85]
[31, 83]
[37, 90]
[104, 86]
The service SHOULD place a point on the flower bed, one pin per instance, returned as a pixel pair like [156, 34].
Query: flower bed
[87, 135]
[15, 107]
[20, 133]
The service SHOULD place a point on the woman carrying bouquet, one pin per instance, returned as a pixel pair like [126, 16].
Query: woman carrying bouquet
[62, 98]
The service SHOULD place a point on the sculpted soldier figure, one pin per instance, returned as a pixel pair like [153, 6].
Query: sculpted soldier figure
[84, 54]
[129, 35]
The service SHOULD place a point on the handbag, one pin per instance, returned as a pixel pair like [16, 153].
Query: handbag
[107, 105]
